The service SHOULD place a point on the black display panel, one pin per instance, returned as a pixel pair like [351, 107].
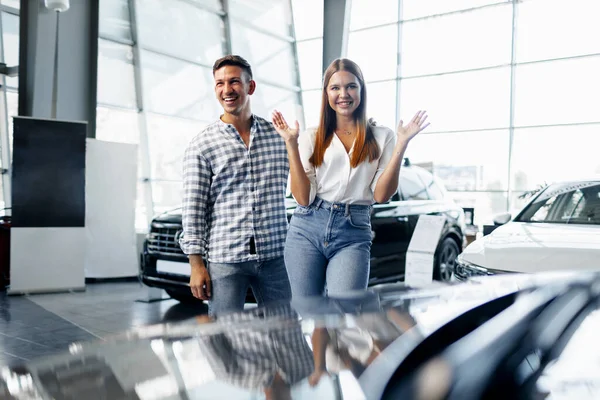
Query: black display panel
[48, 173]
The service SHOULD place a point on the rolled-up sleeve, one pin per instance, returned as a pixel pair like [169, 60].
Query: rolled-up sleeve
[387, 152]
[196, 188]
[306, 145]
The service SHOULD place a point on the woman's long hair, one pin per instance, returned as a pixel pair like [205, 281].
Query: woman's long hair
[365, 146]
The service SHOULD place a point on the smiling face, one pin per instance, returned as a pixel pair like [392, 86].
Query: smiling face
[343, 93]
[233, 88]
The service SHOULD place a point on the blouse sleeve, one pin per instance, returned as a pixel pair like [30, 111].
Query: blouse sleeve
[387, 152]
[306, 145]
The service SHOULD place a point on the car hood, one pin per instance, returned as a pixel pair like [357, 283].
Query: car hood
[535, 247]
[169, 217]
[174, 216]
[238, 354]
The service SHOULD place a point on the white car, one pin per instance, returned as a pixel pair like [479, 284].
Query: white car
[559, 229]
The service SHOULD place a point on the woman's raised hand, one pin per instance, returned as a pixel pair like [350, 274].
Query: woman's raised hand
[416, 125]
[281, 126]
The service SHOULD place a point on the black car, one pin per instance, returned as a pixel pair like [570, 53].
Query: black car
[164, 265]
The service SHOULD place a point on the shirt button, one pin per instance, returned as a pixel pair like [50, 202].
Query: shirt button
[326, 243]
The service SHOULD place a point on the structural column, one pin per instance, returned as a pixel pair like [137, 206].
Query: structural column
[336, 17]
[75, 77]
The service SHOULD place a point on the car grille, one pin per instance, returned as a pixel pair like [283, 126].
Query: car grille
[163, 239]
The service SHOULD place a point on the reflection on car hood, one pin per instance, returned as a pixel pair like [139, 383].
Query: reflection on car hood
[261, 349]
[535, 247]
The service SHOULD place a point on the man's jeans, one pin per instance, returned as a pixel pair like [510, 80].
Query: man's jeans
[230, 282]
[328, 246]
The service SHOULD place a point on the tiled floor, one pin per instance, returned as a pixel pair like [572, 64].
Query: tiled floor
[38, 325]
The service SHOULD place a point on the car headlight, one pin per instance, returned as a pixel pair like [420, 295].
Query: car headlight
[465, 269]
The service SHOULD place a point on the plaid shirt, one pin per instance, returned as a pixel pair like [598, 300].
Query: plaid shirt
[257, 344]
[233, 193]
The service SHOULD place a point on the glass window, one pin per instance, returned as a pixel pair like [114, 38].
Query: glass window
[569, 203]
[308, 18]
[266, 98]
[381, 103]
[178, 88]
[117, 125]
[486, 205]
[364, 14]
[311, 102]
[179, 28]
[168, 138]
[460, 101]
[113, 125]
[464, 160]
[10, 37]
[433, 188]
[210, 4]
[410, 186]
[116, 80]
[11, 3]
[12, 103]
[551, 154]
[518, 200]
[310, 63]
[272, 59]
[166, 195]
[141, 212]
[574, 205]
[272, 15]
[447, 43]
[558, 92]
[436, 190]
[422, 8]
[375, 51]
[547, 29]
[115, 19]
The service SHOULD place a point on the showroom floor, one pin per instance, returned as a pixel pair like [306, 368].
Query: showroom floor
[38, 325]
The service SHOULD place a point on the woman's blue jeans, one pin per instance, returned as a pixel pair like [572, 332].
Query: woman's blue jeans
[328, 248]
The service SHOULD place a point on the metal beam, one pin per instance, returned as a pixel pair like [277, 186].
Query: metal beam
[76, 59]
[336, 23]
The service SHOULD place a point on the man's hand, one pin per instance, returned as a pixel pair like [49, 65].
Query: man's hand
[281, 126]
[199, 278]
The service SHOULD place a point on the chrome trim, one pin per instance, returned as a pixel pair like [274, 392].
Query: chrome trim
[465, 270]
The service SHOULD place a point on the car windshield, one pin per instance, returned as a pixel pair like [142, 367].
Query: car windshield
[568, 203]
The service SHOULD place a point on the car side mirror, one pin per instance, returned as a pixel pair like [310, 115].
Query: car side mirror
[502, 219]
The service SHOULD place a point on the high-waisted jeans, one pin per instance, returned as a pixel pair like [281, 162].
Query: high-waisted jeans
[328, 247]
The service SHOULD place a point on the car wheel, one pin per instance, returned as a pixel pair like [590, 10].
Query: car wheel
[445, 260]
[181, 297]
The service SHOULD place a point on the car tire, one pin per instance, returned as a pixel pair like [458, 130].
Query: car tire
[445, 260]
[183, 298]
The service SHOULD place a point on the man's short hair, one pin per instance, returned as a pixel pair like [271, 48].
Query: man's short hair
[234, 60]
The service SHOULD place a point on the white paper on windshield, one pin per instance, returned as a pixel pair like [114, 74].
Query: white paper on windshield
[421, 250]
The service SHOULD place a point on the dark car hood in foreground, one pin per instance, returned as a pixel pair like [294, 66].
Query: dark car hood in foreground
[370, 335]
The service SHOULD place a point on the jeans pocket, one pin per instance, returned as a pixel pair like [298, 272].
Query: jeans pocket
[303, 210]
[359, 220]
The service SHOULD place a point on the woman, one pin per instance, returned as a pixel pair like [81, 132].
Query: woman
[337, 171]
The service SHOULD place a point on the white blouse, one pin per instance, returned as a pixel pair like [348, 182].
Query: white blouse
[335, 180]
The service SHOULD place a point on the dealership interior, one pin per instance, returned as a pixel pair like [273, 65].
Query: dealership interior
[99, 100]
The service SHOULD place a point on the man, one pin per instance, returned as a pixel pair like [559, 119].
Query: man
[235, 175]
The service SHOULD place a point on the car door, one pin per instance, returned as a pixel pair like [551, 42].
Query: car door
[392, 224]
